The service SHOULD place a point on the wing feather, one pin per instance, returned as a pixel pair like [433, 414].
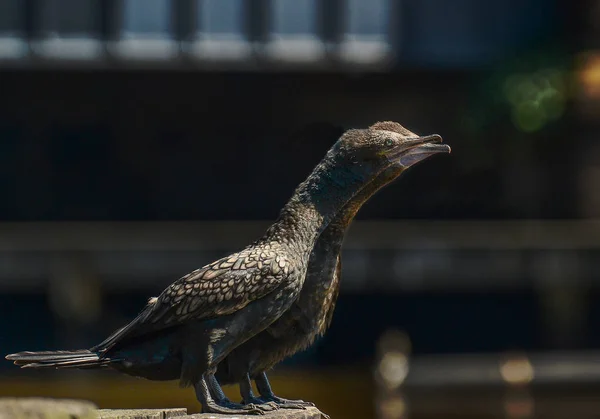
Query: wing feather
[217, 289]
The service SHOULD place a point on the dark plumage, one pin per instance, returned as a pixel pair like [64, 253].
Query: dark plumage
[310, 315]
[199, 319]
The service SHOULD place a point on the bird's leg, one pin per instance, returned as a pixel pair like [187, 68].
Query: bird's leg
[248, 396]
[218, 395]
[221, 405]
[266, 394]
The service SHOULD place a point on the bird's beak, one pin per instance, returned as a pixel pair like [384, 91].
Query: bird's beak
[421, 152]
[433, 138]
[429, 144]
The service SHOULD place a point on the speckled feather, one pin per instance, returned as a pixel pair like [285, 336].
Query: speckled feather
[230, 282]
[217, 289]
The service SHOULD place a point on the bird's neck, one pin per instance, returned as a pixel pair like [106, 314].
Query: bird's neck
[323, 259]
[315, 203]
[321, 281]
[338, 226]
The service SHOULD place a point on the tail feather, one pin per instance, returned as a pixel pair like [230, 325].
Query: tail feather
[58, 359]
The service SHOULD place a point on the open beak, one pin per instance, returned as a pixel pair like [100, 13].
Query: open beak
[428, 144]
[421, 152]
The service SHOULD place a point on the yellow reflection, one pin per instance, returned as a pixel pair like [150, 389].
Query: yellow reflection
[393, 359]
[393, 369]
[517, 370]
[589, 76]
[519, 405]
[392, 407]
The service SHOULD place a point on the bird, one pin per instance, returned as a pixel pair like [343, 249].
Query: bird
[191, 326]
[310, 315]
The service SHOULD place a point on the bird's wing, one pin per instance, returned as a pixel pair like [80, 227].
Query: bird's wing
[220, 288]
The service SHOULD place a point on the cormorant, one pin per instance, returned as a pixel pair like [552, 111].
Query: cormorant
[310, 315]
[195, 322]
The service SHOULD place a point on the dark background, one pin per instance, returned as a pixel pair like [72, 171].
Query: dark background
[490, 249]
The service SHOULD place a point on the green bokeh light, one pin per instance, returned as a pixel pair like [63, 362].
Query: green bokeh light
[528, 116]
[536, 98]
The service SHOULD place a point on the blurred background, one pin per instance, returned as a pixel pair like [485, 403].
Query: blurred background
[142, 139]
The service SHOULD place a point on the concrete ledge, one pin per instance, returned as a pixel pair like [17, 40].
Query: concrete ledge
[40, 408]
[29, 408]
[309, 413]
[141, 413]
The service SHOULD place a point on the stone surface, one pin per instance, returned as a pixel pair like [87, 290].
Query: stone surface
[141, 413]
[309, 413]
[39, 408]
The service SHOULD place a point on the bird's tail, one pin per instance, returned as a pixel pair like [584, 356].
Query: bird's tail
[59, 359]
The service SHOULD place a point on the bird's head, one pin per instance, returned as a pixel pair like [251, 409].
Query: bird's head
[411, 153]
[386, 144]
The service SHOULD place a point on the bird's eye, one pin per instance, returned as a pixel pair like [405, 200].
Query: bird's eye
[389, 142]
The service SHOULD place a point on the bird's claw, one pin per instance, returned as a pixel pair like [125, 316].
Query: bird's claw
[289, 404]
[261, 404]
[253, 409]
[293, 406]
[229, 408]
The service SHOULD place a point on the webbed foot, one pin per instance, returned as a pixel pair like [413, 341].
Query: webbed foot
[267, 395]
[287, 404]
[267, 406]
[291, 404]
[228, 407]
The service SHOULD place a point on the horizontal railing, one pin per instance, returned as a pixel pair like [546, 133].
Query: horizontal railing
[551, 367]
[225, 235]
[411, 255]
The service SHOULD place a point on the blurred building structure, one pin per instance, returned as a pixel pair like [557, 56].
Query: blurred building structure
[264, 34]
